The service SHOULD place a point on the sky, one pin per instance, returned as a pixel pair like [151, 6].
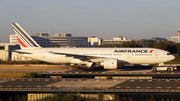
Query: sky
[133, 19]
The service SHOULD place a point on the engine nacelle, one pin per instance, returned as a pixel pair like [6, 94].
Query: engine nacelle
[110, 63]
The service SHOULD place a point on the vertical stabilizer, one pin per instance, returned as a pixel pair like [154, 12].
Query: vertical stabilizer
[23, 38]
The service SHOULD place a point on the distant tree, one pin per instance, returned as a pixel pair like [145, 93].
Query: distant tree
[108, 45]
[169, 46]
[131, 43]
[151, 44]
[161, 44]
[178, 48]
[126, 44]
[1, 47]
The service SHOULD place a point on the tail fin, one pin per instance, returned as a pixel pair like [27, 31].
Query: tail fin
[23, 38]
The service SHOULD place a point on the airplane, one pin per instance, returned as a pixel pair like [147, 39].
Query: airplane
[109, 58]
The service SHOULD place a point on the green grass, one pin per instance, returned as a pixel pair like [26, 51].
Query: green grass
[18, 74]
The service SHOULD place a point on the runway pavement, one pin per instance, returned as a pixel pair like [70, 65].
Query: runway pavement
[57, 68]
[89, 83]
[78, 70]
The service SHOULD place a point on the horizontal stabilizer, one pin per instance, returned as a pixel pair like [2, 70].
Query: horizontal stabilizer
[20, 52]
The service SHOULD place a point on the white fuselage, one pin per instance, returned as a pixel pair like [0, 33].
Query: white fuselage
[124, 55]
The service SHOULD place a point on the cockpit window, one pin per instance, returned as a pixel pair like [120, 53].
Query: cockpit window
[168, 53]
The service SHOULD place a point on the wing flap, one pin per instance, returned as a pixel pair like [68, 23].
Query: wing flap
[82, 57]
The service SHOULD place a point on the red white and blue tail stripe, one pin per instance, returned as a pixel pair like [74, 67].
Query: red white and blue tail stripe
[23, 38]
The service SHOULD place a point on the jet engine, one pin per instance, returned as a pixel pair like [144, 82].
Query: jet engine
[110, 63]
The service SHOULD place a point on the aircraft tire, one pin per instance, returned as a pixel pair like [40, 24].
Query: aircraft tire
[169, 69]
[96, 69]
[88, 69]
[92, 69]
[154, 69]
[85, 69]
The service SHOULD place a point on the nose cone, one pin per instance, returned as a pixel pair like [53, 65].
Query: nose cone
[172, 57]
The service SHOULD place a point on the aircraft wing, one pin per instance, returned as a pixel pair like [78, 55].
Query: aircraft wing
[81, 57]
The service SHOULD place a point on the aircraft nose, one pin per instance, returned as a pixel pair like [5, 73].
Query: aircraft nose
[172, 57]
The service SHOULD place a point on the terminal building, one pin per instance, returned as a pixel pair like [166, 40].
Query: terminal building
[93, 41]
[43, 39]
[116, 40]
[175, 39]
[144, 42]
[40, 40]
[5, 55]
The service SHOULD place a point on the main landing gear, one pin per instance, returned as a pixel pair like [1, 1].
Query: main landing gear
[91, 67]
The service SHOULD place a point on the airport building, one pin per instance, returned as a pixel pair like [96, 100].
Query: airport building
[43, 39]
[5, 55]
[4, 44]
[80, 41]
[158, 39]
[93, 40]
[116, 40]
[144, 42]
[175, 39]
[40, 40]
[13, 39]
[60, 39]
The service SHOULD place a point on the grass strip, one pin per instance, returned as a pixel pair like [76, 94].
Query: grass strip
[17, 74]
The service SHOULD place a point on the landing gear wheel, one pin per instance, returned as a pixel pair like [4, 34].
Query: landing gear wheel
[85, 69]
[88, 69]
[169, 69]
[92, 69]
[96, 69]
[154, 69]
